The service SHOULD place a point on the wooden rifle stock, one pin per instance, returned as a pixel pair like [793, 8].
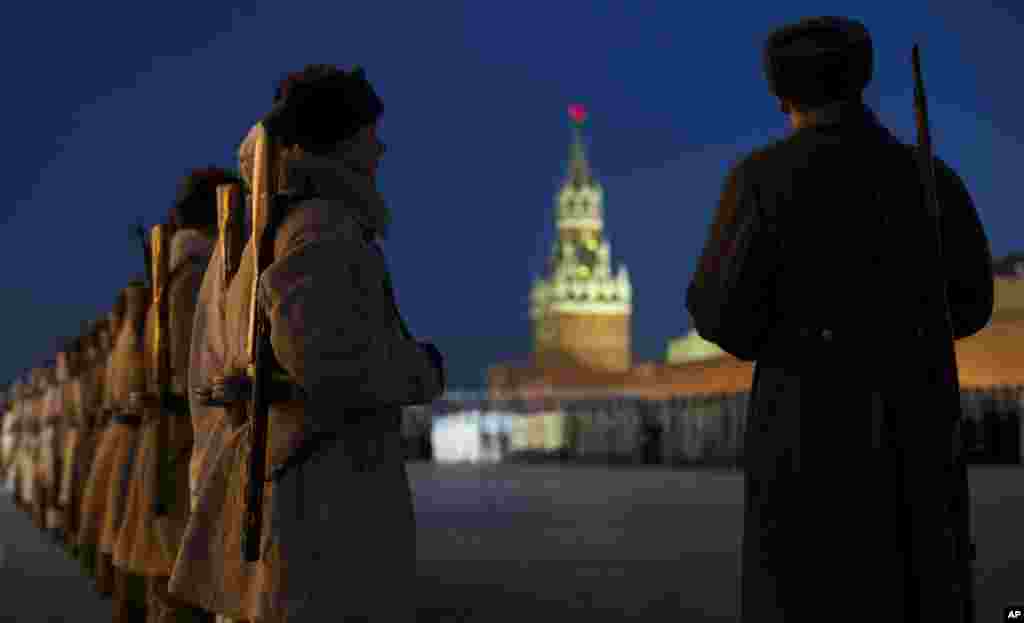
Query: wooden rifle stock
[160, 365]
[230, 223]
[260, 350]
[964, 553]
[231, 241]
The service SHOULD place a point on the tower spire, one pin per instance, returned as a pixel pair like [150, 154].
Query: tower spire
[579, 167]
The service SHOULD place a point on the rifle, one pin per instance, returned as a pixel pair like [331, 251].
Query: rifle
[231, 238]
[140, 231]
[259, 347]
[160, 365]
[229, 227]
[964, 547]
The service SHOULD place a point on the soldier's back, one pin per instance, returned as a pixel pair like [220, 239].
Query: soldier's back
[856, 240]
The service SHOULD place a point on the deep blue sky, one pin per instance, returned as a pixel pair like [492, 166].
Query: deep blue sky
[106, 106]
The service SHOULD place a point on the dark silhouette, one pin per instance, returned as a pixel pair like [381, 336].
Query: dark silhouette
[822, 266]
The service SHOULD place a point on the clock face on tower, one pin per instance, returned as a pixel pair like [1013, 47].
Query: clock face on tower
[586, 256]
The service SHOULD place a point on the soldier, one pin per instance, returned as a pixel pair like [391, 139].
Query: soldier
[94, 423]
[847, 501]
[44, 379]
[149, 539]
[339, 532]
[126, 376]
[11, 436]
[5, 418]
[28, 444]
[31, 457]
[79, 439]
[6, 429]
[101, 471]
[58, 418]
[22, 441]
[67, 370]
[49, 438]
[9, 439]
[32, 447]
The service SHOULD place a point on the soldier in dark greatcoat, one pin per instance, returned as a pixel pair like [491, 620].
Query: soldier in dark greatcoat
[822, 266]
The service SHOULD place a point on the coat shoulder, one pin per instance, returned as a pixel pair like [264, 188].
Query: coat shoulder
[327, 216]
[747, 168]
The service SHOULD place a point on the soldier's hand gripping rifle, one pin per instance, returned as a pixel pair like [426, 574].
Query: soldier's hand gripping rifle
[964, 553]
[259, 347]
[160, 365]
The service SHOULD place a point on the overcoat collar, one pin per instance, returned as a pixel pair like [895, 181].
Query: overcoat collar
[355, 191]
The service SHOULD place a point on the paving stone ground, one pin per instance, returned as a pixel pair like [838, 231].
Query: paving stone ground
[511, 543]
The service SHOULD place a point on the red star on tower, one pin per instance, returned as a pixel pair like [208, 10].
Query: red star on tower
[577, 113]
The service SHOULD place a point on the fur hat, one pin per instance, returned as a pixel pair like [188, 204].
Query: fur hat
[196, 203]
[136, 287]
[321, 106]
[818, 60]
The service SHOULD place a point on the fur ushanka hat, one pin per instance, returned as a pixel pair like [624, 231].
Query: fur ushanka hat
[321, 106]
[819, 59]
[196, 200]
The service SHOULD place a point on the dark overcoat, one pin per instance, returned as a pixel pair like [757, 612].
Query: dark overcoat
[821, 266]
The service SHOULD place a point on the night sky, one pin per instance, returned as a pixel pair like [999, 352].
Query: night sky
[106, 106]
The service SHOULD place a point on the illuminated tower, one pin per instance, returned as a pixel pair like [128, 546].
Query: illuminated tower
[580, 310]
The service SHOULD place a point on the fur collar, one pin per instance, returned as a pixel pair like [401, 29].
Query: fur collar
[188, 244]
[336, 179]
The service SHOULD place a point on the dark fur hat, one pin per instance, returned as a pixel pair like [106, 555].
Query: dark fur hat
[196, 203]
[320, 107]
[67, 344]
[818, 60]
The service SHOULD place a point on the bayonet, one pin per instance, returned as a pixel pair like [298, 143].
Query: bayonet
[964, 547]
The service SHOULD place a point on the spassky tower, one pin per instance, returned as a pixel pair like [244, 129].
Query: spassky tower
[580, 310]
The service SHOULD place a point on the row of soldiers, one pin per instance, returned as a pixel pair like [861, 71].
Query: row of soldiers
[96, 446]
[135, 448]
[299, 365]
